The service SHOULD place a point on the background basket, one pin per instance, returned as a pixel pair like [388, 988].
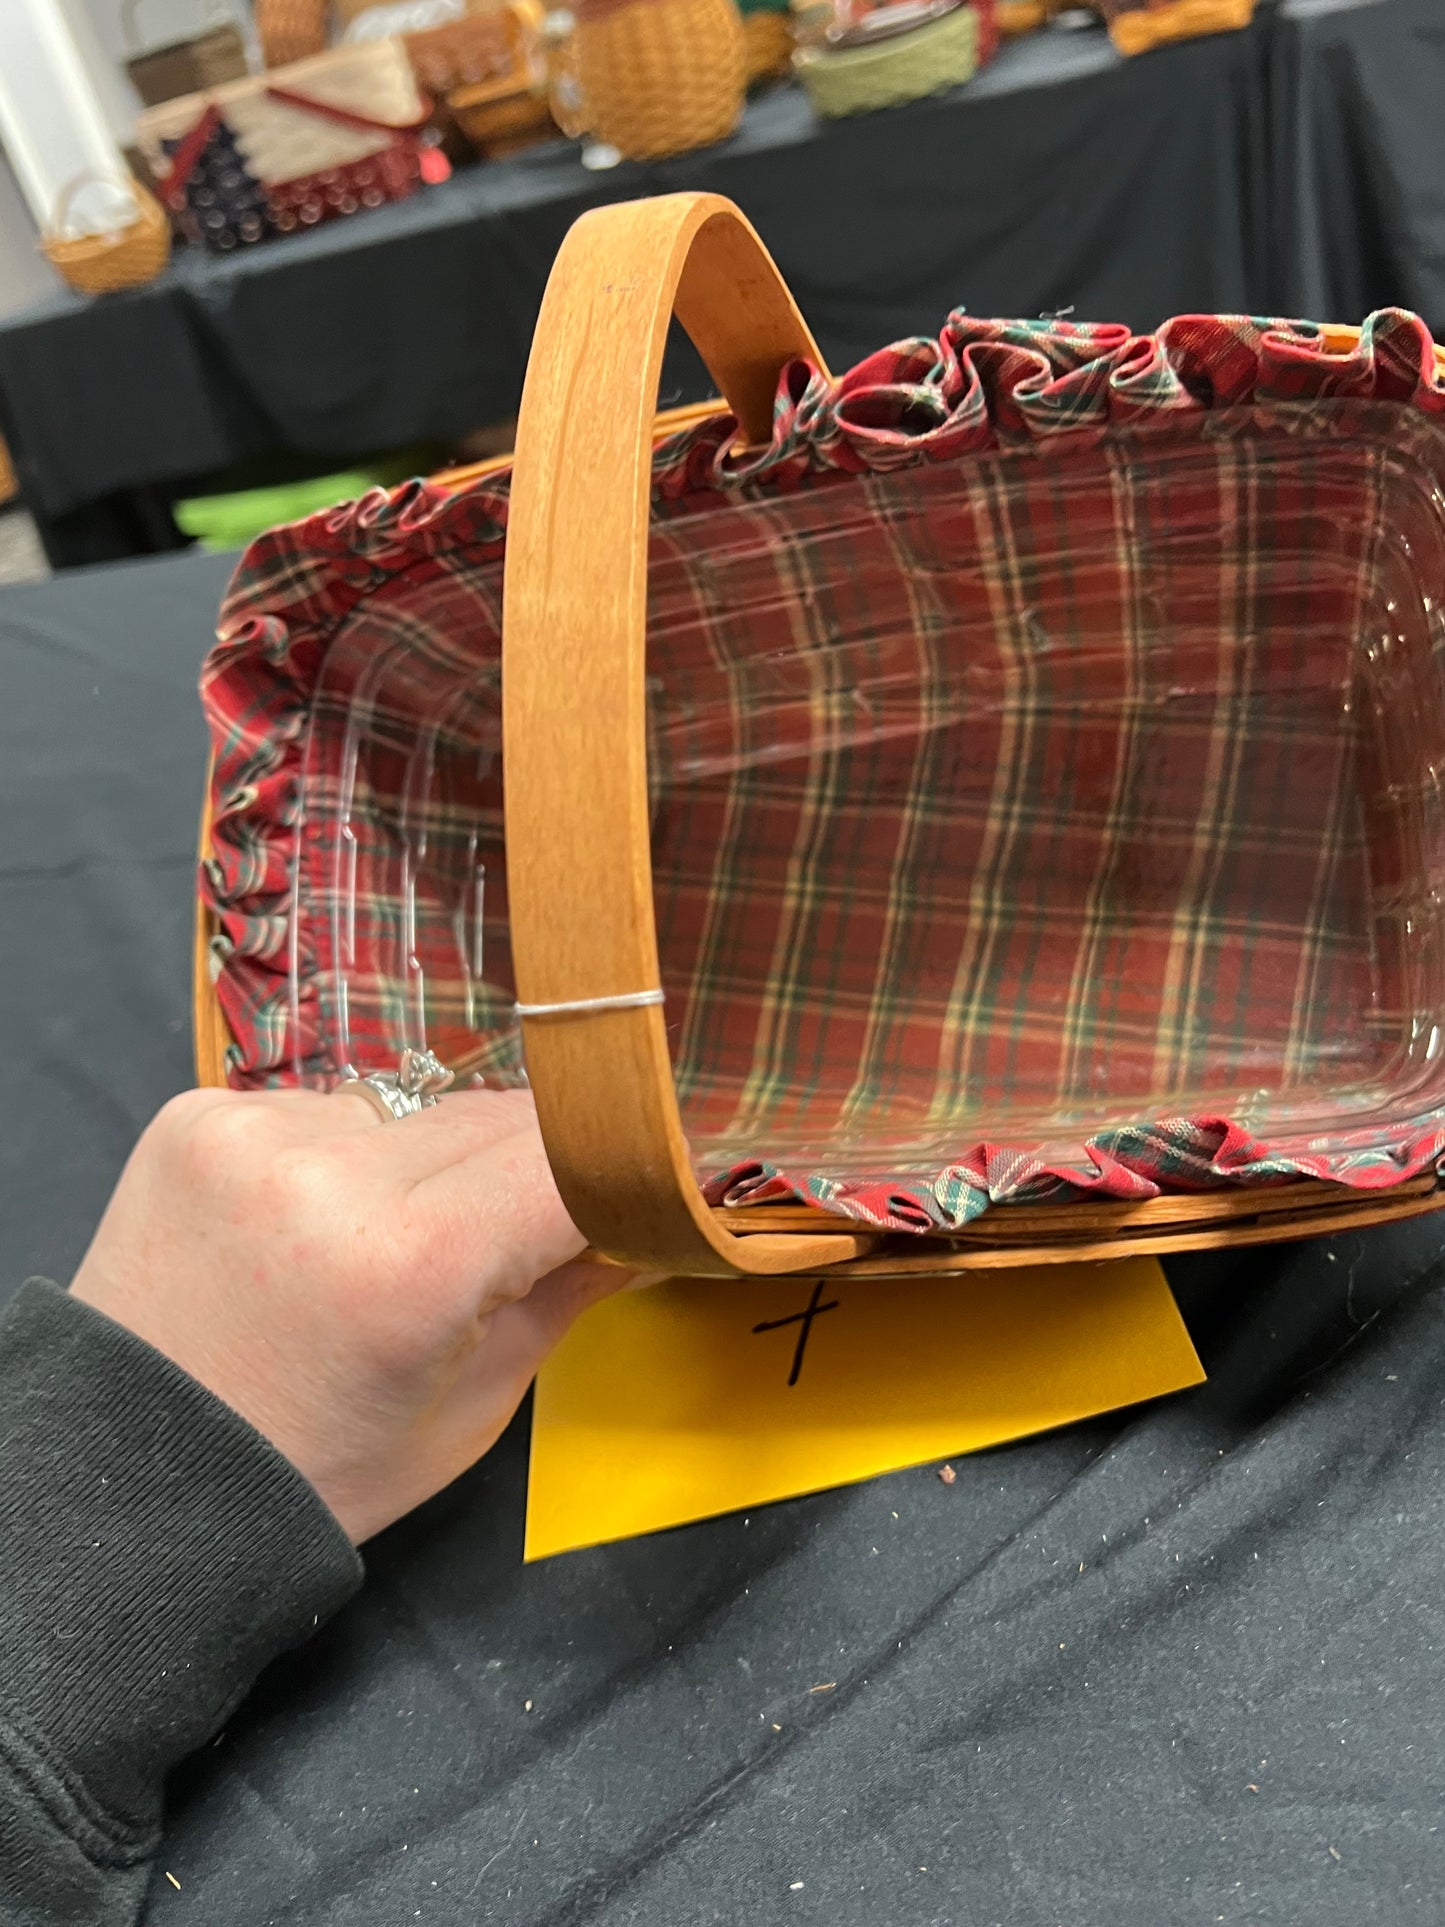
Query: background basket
[305, 143]
[924, 60]
[273, 115]
[290, 30]
[207, 59]
[1137, 25]
[768, 44]
[658, 77]
[487, 46]
[120, 258]
[496, 81]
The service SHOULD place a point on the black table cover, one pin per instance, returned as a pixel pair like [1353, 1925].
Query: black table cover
[1175, 1667]
[1359, 207]
[1060, 176]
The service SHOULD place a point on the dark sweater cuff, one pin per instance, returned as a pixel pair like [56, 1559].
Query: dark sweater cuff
[155, 1553]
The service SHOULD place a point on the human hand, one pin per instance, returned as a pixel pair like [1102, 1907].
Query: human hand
[373, 1297]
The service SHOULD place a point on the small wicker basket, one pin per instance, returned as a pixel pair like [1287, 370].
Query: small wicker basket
[482, 47]
[345, 105]
[1022, 16]
[1136, 26]
[768, 44]
[658, 77]
[886, 72]
[290, 30]
[124, 257]
[211, 56]
[497, 89]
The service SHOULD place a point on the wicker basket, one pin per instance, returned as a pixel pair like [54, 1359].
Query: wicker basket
[501, 105]
[1022, 16]
[283, 141]
[658, 77]
[290, 30]
[923, 60]
[207, 59]
[779, 584]
[119, 258]
[1135, 26]
[768, 45]
[498, 123]
[484, 46]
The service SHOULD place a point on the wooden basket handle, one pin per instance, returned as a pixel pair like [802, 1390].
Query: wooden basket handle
[574, 641]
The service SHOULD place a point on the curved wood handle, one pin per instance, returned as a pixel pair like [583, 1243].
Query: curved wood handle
[574, 639]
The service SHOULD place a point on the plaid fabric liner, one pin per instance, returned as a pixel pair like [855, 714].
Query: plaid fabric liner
[1000, 772]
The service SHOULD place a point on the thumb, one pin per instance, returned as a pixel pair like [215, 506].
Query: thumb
[522, 1334]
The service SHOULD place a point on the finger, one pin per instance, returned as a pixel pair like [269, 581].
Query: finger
[502, 1202]
[464, 1124]
[293, 1115]
[521, 1336]
[503, 1359]
[461, 1125]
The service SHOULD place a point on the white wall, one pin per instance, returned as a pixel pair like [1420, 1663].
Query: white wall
[157, 22]
[25, 274]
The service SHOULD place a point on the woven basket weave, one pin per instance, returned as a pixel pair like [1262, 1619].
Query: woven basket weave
[492, 68]
[1023, 16]
[209, 59]
[1136, 26]
[290, 30]
[488, 45]
[658, 77]
[768, 41]
[123, 258]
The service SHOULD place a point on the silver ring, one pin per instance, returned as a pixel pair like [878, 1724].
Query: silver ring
[415, 1085]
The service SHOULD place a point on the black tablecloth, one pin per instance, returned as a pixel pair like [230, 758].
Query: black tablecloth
[1060, 176]
[1359, 215]
[1180, 1666]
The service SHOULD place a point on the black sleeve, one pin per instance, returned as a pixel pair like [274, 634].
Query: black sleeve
[155, 1553]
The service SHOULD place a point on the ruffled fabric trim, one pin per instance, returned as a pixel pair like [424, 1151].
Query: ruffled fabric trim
[1135, 1162]
[292, 591]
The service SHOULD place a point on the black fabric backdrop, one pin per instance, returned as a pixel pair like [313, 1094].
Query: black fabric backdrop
[1358, 217]
[1295, 168]
[1179, 1666]
[1061, 175]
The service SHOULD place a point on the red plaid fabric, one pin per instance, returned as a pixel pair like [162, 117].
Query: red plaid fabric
[1043, 732]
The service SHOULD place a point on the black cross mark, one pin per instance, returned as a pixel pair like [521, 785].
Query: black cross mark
[804, 1321]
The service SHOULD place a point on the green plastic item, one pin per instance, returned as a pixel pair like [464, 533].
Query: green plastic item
[231, 521]
[860, 80]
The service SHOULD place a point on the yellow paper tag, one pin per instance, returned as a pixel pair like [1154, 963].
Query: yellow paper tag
[696, 1396]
